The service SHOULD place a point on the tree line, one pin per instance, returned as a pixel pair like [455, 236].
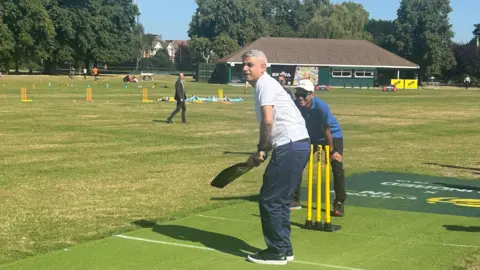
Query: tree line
[421, 32]
[77, 32]
[83, 33]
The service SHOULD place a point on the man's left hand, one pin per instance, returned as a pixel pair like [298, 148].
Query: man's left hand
[336, 156]
[256, 159]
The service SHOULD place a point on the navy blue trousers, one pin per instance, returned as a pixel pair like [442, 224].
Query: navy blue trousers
[282, 176]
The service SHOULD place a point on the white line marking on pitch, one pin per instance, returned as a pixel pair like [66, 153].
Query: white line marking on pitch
[227, 219]
[211, 249]
[355, 234]
[162, 242]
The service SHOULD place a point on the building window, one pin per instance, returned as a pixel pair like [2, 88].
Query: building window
[342, 73]
[364, 73]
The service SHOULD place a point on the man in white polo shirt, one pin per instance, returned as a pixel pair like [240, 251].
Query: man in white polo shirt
[283, 130]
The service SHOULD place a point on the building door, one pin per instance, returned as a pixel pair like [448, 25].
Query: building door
[324, 76]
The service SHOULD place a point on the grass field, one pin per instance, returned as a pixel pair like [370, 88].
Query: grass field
[74, 173]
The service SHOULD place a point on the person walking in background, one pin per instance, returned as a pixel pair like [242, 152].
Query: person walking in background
[466, 81]
[95, 73]
[180, 97]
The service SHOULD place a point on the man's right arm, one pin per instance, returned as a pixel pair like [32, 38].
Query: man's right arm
[328, 134]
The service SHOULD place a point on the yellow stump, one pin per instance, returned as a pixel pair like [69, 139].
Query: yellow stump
[319, 184]
[220, 95]
[145, 95]
[23, 95]
[318, 224]
[327, 184]
[89, 94]
[309, 194]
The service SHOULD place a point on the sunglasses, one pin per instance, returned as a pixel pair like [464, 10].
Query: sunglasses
[301, 95]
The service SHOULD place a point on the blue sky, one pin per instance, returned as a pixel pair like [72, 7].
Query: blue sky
[170, 18]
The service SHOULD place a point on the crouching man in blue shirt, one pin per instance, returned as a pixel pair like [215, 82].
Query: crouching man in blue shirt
[323, 129]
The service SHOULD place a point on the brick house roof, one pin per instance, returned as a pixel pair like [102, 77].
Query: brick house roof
[322, 52]
[176, 43]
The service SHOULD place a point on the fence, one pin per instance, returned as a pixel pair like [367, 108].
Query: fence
[204, 72]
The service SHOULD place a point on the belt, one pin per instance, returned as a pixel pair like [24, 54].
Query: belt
[303, 140]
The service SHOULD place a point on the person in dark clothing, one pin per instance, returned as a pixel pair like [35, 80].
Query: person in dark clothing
[323, 129]
[282, 81]
[180, 97]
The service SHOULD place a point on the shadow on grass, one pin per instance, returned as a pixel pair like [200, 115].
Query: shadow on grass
[454, 166]
[237, 153]
[250, 198]
[296, 224]
[160, 121]
[220, 242]
[458, 186]
[314, 209]
[458, 228]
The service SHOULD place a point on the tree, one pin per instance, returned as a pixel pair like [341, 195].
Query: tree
[467, 57]
[467, 60]
[382, 32]
[67, 31]
[202, 46]
[423, 35]
[312, 5]
[143, 43]
[101, 30]
[62, 51]
[224, 45]
[344, 21]
[281, 17]
[476, 35]
[239, 19]
[476, 31]
[161, 60]
[32, 29]
[6, 48]
[114, 23]
[185, 59]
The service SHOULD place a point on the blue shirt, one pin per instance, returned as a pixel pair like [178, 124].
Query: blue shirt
[318, 118]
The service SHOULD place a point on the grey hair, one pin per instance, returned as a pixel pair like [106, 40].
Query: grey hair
[254, 53]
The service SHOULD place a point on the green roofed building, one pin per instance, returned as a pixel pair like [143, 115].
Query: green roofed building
[329, 62]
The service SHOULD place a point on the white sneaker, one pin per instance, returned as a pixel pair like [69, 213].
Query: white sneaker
[289, 256]
[295, 206]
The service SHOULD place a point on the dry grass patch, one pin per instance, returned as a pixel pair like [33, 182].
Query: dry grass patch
[446, 113]
[470, 263]
[224, 132]
[381, 121]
